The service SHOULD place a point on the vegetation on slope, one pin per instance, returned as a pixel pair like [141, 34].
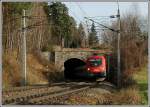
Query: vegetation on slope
[141, 78]
[38, 71]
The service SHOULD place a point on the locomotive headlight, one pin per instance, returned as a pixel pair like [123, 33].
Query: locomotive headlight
[102, 68]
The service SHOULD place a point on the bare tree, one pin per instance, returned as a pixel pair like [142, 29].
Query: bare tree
[133, 45]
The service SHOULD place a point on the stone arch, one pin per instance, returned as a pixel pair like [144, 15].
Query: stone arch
[73, 66]
[73, 63]
[62, 56]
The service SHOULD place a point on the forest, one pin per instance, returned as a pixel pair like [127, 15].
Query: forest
[49, 26]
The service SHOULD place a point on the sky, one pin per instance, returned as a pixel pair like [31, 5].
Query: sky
[103, 10]
[79, 10]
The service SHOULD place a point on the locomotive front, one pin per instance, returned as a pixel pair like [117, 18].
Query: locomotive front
[96, 66]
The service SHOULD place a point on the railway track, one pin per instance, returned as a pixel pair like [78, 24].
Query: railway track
[47, 98]
[22, 95]
[41, 94]
[16, 89]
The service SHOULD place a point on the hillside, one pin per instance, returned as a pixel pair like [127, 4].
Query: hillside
[37, 71]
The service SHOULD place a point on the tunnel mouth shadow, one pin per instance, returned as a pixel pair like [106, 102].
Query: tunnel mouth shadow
[74, 63]
[72, 67]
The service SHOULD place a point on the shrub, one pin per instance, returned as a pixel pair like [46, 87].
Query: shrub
[126, 96]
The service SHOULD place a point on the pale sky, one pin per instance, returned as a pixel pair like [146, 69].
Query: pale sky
[79, 10]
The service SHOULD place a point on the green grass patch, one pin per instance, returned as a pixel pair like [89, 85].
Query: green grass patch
[141, 78]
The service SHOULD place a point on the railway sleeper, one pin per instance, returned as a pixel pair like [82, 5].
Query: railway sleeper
[37, 100]
[25, 98]
[34, 95]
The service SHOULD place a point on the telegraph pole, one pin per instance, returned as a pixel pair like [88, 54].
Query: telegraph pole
[118, 49]
[24, 75]
[118, 42]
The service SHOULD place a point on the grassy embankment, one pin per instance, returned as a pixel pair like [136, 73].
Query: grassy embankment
[39, 71]
[141, 78]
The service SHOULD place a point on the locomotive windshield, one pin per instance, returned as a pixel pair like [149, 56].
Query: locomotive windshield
[95, 62]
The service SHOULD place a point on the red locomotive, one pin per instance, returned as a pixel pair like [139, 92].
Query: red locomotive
[95, 66]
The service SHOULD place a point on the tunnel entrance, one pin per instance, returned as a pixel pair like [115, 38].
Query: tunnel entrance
[72, 67]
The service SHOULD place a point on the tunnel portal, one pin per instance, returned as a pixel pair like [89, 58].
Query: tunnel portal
[73, 66]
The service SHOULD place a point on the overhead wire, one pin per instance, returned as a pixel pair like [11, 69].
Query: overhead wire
[74, 14]
[86, 27]
[84, 13]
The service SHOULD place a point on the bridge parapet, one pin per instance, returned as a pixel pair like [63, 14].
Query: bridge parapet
[63, 55]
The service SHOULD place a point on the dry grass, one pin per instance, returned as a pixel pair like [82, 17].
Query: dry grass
[51, 72]
[134, 88]
[39, 71]
[34, 71]
[129, 96]
[128, 81]
[10, 74]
